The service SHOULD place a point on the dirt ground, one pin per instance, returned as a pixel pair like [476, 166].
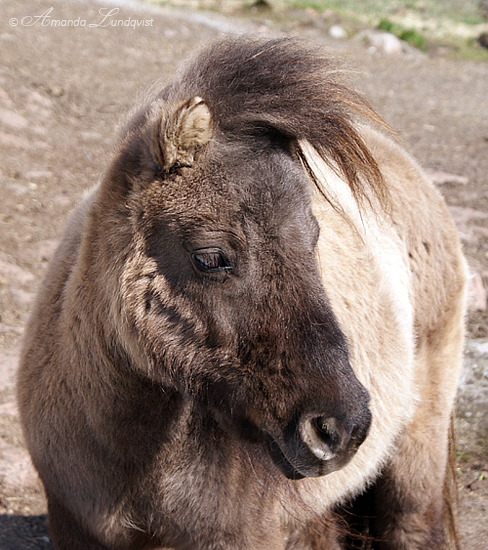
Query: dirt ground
[63, 91]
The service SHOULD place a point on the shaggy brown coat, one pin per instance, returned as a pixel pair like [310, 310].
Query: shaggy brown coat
[250, 336]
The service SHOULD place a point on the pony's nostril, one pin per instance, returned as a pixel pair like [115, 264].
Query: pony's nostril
[328, 432]
[324, 436]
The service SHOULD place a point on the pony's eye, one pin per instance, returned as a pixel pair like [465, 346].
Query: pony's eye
[211, 260]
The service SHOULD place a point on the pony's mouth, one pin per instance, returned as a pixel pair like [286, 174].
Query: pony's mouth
[281, 461]
[305, 464]
[317, 446]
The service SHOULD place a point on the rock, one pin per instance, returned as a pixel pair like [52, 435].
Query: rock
[10, 140]
[336, 31]
[387, 43]
[37, 174]
[36, 97]
[13, 119]
[441, 178]
[8, 367]
[477, 293]
[15, 274]
[56, 91]
[5, 99]
[472, 401]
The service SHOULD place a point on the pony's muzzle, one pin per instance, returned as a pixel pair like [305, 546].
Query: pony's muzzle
[318, 445]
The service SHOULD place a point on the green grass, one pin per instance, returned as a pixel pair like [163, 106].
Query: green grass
[462, 11]
[469, 50]
[411, 36]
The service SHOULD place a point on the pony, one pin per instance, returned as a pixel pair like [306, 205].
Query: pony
[251, 333]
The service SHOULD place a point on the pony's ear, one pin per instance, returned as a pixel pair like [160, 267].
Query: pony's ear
[180, 133]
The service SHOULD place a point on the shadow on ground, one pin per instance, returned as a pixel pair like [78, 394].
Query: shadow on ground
[24, 533]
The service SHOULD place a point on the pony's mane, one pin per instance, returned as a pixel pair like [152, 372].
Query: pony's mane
[286, 86]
